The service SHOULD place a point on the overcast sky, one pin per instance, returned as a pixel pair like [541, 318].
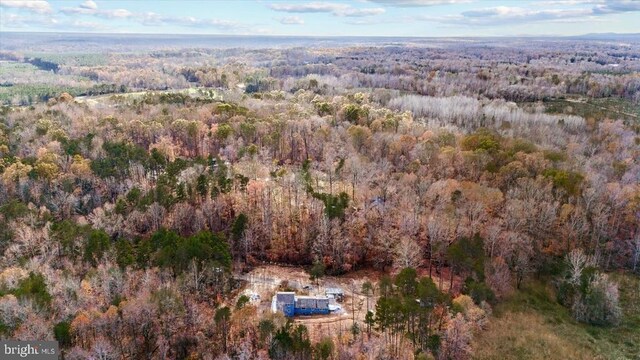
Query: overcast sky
[354, 18]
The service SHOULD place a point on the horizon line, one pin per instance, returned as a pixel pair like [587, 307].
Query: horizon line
[328, 36]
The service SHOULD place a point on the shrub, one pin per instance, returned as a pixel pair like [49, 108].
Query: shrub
[479, 291]
[599, 304]
[242, 301]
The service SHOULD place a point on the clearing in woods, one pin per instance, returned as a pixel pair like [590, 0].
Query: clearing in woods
[530, 324]
[265, 280]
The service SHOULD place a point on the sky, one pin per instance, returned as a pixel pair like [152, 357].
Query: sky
[422, 18]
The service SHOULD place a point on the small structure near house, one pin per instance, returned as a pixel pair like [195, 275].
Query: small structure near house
[334, 293]
[291, 305]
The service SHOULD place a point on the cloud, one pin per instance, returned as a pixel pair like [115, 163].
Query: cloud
[505, 13]
[16, 21]
[569, 2]
[291, 20]
[155, 19]
[36, 6]
[370, 21]
[501, 15]
[89, 4]
[342, 10]
[87, 25]
[419, 3]
[13, 20]
[617, 7]
[90, 7]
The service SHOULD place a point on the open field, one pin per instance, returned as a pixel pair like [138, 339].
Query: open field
[532, 325]
[22, 83]
[598, 109]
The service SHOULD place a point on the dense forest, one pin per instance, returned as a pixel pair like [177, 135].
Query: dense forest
[136, 187]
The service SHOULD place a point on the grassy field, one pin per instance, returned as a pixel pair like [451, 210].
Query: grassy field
[75, 59]
[11, 68]
[23, 83]
[598, 109]
[532, 325]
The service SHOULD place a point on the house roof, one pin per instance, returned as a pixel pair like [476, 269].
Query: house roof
[319, 297]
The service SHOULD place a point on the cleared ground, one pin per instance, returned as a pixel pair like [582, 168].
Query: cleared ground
[265, 280]
[532, 325]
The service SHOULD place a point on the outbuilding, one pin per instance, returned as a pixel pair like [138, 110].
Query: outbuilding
[334, 293]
